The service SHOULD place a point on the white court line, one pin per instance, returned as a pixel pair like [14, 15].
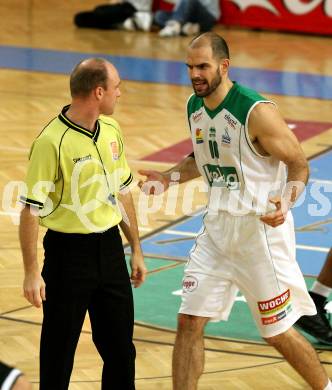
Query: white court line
[14, 149]
[190, 234]
[304, 247]
[144, 229]
[7, 213]
[313, 248]
[313, 180]
[179, 233]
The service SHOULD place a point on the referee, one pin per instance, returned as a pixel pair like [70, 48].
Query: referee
[77, 187]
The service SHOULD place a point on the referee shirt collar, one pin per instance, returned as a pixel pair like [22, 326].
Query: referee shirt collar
[63, 118]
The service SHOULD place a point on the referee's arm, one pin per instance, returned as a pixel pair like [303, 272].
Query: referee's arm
[33, 285]
[129, 227]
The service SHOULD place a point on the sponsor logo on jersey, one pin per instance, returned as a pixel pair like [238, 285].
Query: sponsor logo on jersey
[212, 132]
[81, 159]
[225, 138]
[115, 151]
[275, 304]
[197, 116]
[232, 122]
[199, 136]
[276, 317]
[222, 176]
[189, 284]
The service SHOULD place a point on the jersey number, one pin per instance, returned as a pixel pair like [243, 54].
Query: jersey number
[214, 149]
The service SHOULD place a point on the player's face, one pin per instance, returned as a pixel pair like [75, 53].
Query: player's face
[112, 93]
[204, 71]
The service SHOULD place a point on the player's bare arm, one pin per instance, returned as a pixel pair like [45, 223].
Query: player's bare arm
[186, 170]
[272, 137]
[130, 230]
[33, 285]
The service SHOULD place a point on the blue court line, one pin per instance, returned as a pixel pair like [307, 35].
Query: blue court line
[166, 71]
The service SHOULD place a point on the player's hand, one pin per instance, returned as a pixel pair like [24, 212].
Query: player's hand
[138, 269]
[34, 288]
[155, 182]
[277, 217]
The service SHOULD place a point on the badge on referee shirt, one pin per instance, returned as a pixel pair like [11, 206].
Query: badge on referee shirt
[115, 151]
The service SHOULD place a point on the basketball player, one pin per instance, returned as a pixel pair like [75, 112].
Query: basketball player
[246, 154]
[78, 178]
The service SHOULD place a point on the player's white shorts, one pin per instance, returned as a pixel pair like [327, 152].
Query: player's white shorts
[242, 253]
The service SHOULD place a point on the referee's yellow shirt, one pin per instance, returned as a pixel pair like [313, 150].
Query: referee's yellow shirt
[74, 175]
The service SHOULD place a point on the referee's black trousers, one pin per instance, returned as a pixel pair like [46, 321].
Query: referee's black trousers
[87, 272]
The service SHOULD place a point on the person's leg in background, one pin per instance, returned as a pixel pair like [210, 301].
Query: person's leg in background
[107, 16]
[318, 325]
[161, 17]
[189, 17]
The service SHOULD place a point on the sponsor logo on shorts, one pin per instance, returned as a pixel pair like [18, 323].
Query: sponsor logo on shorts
[189, 284]
[275, 304]
[277, 317]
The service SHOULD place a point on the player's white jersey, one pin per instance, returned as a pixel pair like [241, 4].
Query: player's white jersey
[240, 180]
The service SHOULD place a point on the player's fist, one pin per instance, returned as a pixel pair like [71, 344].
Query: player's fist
[155, 182]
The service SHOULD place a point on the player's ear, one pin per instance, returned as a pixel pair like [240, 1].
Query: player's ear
[224, 65]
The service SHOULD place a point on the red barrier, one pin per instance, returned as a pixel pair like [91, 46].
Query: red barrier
[161, 4]
[310, 16]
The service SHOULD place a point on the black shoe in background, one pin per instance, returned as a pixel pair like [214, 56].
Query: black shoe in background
[318, 325]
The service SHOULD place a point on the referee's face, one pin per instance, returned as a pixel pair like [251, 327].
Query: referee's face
[112, 93]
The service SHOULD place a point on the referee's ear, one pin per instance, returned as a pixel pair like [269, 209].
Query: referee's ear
[99, 93]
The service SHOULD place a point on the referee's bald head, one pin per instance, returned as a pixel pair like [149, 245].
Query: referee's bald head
[89, 74]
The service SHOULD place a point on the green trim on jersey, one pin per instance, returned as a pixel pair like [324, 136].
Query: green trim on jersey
[75, 175]
[248, 97]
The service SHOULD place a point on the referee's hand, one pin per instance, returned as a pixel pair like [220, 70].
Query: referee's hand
[34, 288]
[138, 269]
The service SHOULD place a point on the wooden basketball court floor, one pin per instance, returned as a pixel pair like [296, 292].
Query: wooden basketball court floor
[36, 38]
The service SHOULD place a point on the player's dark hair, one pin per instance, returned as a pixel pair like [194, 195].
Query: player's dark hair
[218, 44]
[88, 75]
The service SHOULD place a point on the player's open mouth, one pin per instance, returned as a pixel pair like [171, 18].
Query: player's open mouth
[199, 85]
